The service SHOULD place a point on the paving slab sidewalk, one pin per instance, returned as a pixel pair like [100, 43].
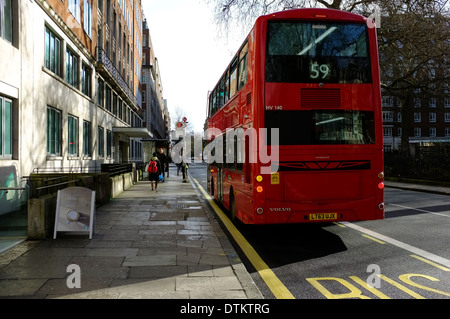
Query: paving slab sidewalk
[162, 244]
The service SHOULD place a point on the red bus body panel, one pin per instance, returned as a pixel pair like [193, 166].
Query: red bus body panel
[320, 179]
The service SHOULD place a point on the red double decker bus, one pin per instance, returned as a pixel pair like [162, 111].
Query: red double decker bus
[294, 125]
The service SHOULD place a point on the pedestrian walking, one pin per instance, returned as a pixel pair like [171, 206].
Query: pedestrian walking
[154, 169]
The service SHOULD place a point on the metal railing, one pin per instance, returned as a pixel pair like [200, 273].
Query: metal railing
[103, 59]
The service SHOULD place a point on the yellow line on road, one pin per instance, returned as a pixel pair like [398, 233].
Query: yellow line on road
[374, 239]
[430, 262]
[278, 289]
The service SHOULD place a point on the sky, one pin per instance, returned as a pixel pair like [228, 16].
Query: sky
[191, 55]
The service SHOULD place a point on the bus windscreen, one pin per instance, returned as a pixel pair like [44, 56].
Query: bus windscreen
[320, 127]
[317, 52]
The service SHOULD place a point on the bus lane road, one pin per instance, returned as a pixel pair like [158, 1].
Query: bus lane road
[404, 256]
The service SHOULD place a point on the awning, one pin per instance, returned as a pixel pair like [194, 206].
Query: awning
[133, 132]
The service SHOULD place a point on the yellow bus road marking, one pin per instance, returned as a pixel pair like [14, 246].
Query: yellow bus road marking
[430, 262]
[374, 239]
[401, 287]
[278, 289]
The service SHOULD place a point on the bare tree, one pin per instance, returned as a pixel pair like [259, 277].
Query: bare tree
[414, 40]
[178, 116]
[414, 46]
[244, 12]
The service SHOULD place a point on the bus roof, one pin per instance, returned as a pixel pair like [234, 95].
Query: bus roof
[315, 13]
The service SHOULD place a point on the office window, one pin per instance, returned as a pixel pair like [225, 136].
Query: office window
[447, 132]
[101, 141]
[87, 138]
[432, 102]
[447, 117]
[417, 117]
[5, 128]
[432, 117]
[432, 132]
[6, 21]
[87, 21]
[417, 132]
[74, 8]
[417, 102]
[108, 98]
[72, 135]
[100, 5]
[53, 131]
[108, 143]
[100, 92]
[387, 131]
[388, 116]
[52, 52]
[86, 79]
[71, 68]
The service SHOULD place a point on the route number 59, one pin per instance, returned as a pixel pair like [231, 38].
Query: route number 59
[317, 70]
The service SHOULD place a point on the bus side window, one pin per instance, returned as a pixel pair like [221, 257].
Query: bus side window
[233, 78]
[221, 92]
[243, 66]
[227, 86]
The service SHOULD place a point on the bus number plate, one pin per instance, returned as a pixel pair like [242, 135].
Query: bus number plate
[323, 216]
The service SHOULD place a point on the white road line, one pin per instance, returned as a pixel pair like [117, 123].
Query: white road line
[419, 210]
[437, 259]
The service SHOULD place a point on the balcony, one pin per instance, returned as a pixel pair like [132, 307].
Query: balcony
[107, 69]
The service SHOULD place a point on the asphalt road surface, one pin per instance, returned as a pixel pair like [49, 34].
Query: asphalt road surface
[404, 256]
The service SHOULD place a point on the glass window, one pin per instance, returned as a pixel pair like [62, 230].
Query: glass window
[108, 143]
[74, 8]
[86, 79]
[87, 138]
[305, 52]
[101, 141]
[101, 92]
[71, 68]
[243, 66]
[227, 86]
[5, 128]
[52, 52]
[108, 98]
[6, 20]
[53, 131]
[87, 22]
[233, 78]
[321, 127]
[73, 135]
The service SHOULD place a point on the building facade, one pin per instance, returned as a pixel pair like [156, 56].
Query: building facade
[428, 120]
[70, 91]
[157, 118]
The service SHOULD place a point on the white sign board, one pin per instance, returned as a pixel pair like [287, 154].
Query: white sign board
[75, 208]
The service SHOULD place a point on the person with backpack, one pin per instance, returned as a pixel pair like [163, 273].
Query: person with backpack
[154, 169]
